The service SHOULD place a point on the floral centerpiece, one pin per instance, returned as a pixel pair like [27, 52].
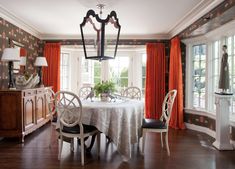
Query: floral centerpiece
[104, 89]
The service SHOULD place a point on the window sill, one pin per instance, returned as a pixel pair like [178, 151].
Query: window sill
[208, 114]
[202, 112]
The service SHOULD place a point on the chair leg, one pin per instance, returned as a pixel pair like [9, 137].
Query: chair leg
[82, 150]
[72, 145]
[60, 147]
[98, 144]
[51, 136]
[143, 141]
[167, 144]
[161, 140]
[92, 143]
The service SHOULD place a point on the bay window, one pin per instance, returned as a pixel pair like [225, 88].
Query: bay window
[199, 73]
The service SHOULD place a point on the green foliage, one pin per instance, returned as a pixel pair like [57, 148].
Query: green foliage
[104, 87]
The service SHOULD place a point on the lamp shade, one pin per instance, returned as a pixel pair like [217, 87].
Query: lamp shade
[22, 60]
[11, 54]
[40, 61]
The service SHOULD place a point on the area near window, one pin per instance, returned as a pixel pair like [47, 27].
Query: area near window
[127, 69]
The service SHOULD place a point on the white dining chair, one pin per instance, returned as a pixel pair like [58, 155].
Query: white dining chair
[161, 125]
[84, 91]
[69, 108]
[50, 100]
[132, 93]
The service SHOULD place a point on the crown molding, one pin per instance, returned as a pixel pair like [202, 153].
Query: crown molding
[197, 12]
[13, 19]
[78, 36]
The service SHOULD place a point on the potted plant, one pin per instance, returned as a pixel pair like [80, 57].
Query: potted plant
[104, 89]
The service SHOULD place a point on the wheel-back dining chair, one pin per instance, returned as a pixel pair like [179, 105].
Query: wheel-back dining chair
[50, 100]
[69, 108]
[132, 93]
[161, 125]
[84, 92]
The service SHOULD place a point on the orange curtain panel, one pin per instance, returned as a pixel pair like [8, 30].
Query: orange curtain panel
[51, 74]
[176, 82]
[155, 80]
[23, 52]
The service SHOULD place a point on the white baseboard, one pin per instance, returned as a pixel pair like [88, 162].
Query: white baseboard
[200, 129]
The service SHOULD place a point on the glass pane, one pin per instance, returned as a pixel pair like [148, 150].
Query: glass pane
[195, 99]
[118, 71]
[229, 45]
[199, 72]
[202, 100]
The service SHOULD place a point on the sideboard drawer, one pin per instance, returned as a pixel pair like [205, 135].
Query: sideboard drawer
[29, 93]
[40, 91]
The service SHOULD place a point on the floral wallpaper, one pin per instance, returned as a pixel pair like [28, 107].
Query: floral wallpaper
[33, 46]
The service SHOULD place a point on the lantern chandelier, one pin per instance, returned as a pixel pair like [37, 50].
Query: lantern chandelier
[105, 47]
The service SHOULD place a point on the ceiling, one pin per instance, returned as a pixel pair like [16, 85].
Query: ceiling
[54, 19]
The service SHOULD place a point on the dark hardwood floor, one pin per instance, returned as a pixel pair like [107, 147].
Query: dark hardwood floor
[189, 150]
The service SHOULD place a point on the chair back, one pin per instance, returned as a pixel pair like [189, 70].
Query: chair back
[168, 105]
[50, 99]
[132, 93]
[69, 108]
[84, 91]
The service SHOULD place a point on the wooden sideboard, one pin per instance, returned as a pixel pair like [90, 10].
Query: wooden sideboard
[22, 111]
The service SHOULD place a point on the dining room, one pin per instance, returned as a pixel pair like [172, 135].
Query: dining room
[93, 84]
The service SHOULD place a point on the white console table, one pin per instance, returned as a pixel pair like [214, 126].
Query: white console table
[222, 141]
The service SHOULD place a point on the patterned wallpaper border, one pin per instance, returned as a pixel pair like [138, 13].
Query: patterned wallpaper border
[218, 16]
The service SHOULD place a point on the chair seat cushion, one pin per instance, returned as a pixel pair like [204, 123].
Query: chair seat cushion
[76, 129]
[153, 124]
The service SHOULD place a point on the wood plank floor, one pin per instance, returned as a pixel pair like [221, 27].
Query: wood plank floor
[189, 150]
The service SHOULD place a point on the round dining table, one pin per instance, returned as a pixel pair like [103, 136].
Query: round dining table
[120, 120]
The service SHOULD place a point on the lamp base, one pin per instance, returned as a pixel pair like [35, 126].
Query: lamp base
[11, 83]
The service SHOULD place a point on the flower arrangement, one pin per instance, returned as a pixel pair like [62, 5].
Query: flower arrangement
[104, 87]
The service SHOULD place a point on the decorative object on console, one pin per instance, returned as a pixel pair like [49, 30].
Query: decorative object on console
[22, 64]
[40, 62]
[10, 55]
[101, 27]
[24, 82]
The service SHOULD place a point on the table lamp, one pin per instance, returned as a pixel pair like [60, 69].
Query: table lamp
[10, 55]
[22, 63]
[40, 62]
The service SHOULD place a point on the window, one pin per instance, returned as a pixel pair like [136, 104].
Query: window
[91, 71]
[64, 71]
[230, 41]
[127, 69]
[216, 45]
[144, 59]
[199, 68]
[118, 71]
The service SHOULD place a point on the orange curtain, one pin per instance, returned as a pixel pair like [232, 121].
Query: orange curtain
[51, 74]
[23, 52]
[155, 80]
[176, 82]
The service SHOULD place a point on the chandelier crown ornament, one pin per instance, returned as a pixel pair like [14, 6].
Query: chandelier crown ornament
[94, 27]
